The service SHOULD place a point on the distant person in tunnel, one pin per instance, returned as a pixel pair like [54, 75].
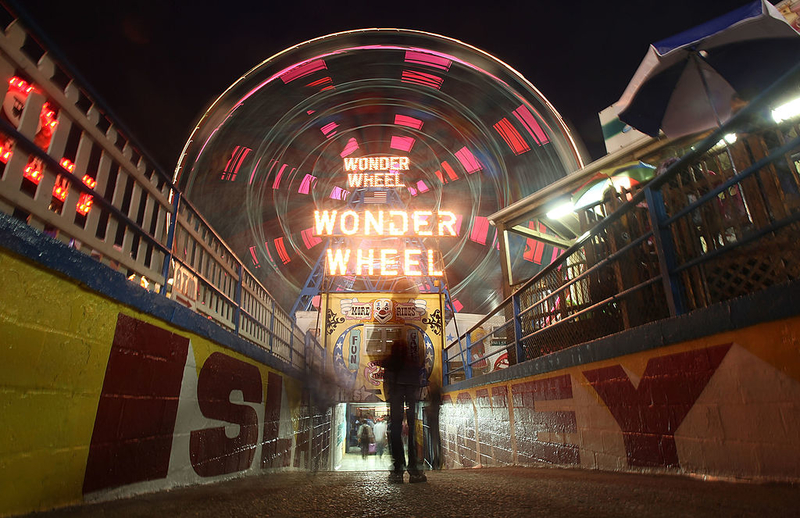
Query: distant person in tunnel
[403, 373]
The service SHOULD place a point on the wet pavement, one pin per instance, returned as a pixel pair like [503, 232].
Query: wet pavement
[505, 492]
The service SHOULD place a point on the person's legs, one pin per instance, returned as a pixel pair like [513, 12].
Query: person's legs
[414, 469]
[396, 430]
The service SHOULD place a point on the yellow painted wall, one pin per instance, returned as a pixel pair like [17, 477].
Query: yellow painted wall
[55, 340]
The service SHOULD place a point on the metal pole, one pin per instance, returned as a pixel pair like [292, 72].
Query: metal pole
[170, 239]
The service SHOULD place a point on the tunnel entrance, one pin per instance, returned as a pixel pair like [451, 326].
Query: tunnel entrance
[368, 420]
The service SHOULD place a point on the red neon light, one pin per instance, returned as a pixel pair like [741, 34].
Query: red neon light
[89, 181]
[309, 238]
[524, 115]
[402, 143]
[281, 248]
[303, 70]
[511, 136]
[307, 183]
[420, 58]
[348, 150]
[411, 122]
[468, 160]
[534, 249]
[422, 78]
[439, 176]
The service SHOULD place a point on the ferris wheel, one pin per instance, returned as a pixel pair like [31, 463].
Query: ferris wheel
[273, 148]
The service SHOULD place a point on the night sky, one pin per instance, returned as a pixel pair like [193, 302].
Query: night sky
[158, 64]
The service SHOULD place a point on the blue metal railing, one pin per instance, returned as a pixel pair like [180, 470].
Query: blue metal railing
[686, 240]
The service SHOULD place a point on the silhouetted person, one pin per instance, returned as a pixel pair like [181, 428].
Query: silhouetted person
[402, 379]
[432, 413]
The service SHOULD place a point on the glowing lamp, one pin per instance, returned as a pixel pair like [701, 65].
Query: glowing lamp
[66, 164]
[5, 154]
[84, 204]
[88, 180]
[560, 211]
[787, 111]
[33, 174]
[60, 192]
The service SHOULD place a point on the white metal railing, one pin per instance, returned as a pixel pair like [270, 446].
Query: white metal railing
[67, 170]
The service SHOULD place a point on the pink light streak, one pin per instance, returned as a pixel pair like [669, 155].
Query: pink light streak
[349, 148]
[277, 183]
[468, 160]
[524, 115]
[423, 58]
[422, 187]
[255, 259]
[449, 170]
[402, 143]
[480, 230]
[405, 120]
[302, 70]
[306, 184]
[337, 193]
[329, 129]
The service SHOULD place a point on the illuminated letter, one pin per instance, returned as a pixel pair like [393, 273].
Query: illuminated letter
[385, 270]
[411, 267]
[403, 163]
[351, 164]
[397, 182]
[369, 261]
[388, 180]
[432, 272]
[373, 163]
[420, 218]
[394, 231]
[447, 220]
[354, 180]
[343, 223]
[325, 222]
[338, 263]
[378, 180]
[362, 164]
[370, 221]
[369, 180]
[384, 163]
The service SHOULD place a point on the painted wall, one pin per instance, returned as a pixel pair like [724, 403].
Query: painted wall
[724, 405]
[99, 400]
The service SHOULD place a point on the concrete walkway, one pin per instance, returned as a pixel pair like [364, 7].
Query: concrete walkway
[502, 492]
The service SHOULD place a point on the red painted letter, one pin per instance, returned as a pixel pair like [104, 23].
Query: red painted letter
[650, 414]
[212, 452]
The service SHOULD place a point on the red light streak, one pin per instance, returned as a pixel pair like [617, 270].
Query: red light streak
[281, 248]
[449, 170]
[253, 255]
[277, 183]
[309, 238]
[422, 78]
[511, 136]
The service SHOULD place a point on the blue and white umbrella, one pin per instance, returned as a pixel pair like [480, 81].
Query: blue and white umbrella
[687, 83]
